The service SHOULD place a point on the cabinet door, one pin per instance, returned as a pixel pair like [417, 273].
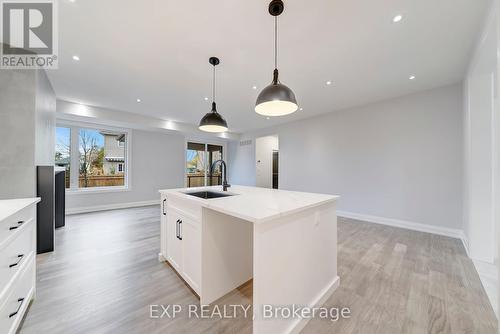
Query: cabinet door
[174, 243]
[191, 252]
[163, 226]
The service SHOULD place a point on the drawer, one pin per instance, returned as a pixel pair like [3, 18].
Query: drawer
[176, 213]
[189, 208]
[15, 253]
[10, 226]
[12, 308]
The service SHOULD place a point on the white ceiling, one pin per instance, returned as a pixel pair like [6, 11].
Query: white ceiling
[158, 50]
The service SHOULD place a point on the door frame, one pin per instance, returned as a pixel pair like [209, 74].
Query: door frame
[206, 142]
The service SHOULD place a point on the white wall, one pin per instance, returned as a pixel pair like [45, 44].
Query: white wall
[27, 117]
[69, 111]
[241, 162]
[479, 109]
[496, 8]
[398, 159]
[264, 147]
[45, 120]
[481, 156]
[156, 162]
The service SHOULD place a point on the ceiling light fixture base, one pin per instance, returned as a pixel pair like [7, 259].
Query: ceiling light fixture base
[276, 7]
[214, 61]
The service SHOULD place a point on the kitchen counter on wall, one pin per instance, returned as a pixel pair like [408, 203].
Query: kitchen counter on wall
[8, 207]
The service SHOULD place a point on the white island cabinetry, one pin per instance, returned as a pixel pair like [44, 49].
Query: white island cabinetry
[286, 241]
[184, 246]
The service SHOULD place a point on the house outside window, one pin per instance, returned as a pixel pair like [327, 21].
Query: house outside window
[114, 153]
[99, 155]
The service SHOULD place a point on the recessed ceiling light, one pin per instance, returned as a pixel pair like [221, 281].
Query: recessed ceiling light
[328, 82]
[301, 109]
[206, 99]
[76, 58]
[412, 77]
[138, 100]
[397, 18]
[268, 117]
[254, 87]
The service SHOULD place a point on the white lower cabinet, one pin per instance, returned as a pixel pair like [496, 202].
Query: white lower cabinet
[174, 240]
[15, 304]
[17, 260]
[163, 228]
[184, 246]
[191, 252]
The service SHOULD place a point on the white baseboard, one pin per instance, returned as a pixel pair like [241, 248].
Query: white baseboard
[105, 207]
[465, 242]
[446, 231]
[319, 301]
[489, 278]
[161, 258]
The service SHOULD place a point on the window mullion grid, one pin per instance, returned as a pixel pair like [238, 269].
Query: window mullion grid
[206, 165]
[74, 157]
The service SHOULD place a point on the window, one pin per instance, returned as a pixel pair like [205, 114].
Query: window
[214, 154]
[199, 159]
[63, 151]
[99, 156]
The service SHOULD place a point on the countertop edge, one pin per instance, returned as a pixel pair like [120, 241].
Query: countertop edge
[31, 201]
[178, 192]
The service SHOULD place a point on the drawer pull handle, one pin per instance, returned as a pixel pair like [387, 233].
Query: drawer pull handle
[20, 257]
[180, 229]
[177, 229]
[20, 301]
[19, 223]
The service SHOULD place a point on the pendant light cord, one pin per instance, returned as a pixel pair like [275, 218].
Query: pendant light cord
[276, 42]
[213, 86]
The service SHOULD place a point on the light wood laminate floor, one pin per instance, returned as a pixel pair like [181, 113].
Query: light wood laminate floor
[105, 274]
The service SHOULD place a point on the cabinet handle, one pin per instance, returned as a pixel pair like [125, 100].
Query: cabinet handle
[163, 207]
[20, 301]
[180, 229]
[177, 228]
[20, 257]
[19, 223]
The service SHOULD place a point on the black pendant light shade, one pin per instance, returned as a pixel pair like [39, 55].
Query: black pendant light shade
[213, 121]
[276, 99]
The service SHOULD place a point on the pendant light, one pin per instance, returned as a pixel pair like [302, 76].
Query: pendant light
[276, 99]
[213, 121]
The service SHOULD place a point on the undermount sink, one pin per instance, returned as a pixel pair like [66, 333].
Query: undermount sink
[208, 194]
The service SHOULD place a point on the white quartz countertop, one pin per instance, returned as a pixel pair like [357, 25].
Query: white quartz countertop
[255, 204]
[8, 207]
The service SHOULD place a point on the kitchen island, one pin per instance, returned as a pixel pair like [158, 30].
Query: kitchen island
[285, 240]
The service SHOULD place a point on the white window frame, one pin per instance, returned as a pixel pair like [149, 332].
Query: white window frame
[75, 127]
[206, 142]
